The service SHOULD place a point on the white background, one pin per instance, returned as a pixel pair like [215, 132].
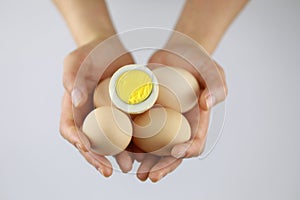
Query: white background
[257, 156]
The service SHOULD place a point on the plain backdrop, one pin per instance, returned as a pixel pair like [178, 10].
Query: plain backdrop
[257, 157]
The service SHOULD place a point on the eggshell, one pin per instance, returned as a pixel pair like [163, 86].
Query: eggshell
[108, 129]
[101, 94]
[178, 88]
[159, 129]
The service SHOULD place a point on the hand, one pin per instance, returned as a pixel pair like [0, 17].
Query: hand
[213, 91]
[80, 77]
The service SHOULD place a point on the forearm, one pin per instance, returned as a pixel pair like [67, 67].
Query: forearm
[207, 20]
[86, 19]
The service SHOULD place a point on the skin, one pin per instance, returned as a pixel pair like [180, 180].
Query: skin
[205, 21]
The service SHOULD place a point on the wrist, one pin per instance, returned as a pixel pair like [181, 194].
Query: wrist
[87, 20]
[208, 39]
[206, 21]
[90, 29]
[204, 29]
[93, 35]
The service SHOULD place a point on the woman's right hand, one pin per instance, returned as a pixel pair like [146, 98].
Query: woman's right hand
[80, 76]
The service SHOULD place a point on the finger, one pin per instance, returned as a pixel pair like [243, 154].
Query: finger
[102, 61]
[195, 146]
[89, 75]
[165, 166]
[189, 149]
[101, 163]
[202, 128]
[216, 88]
[135, 152]
[79, 95]
[125, 161]
[145, 167]
[72, 63]
[138, 154]
[68, 129]
[106, 167]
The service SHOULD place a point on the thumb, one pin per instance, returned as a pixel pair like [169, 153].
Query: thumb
[215, 90]
[207, 99]
[79, 95]
[73, 84]
[84, 67]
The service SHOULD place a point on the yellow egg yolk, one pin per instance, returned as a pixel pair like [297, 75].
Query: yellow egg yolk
[134, 86]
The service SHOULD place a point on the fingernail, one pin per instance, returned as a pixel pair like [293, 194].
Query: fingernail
[76, 97]
[126, 168]
[162, 176]
[78, 146]
[159, 178]
[210, 101]
[179, 153]
[101, 171]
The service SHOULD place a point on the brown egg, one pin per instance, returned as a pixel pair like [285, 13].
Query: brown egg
[159, 129]
[108, 129]
[178, 88]
[101, 94]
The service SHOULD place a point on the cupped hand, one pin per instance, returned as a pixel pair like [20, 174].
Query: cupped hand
[82, 70]
[181, 52]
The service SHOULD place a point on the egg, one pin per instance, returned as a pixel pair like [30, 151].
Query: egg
[159, 129]
[178, 88]
[108, 129]
[133, 88]
[101, 94]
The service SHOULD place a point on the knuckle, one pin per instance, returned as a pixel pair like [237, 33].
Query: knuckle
[71, 62]
[66, 80]
[226, 90]
[65, 133]
[193, 152]
[62, 131]
[197, 152]
[189, 153]
[74, 59]
[221, 70]
[70, 58]
[223, 77]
